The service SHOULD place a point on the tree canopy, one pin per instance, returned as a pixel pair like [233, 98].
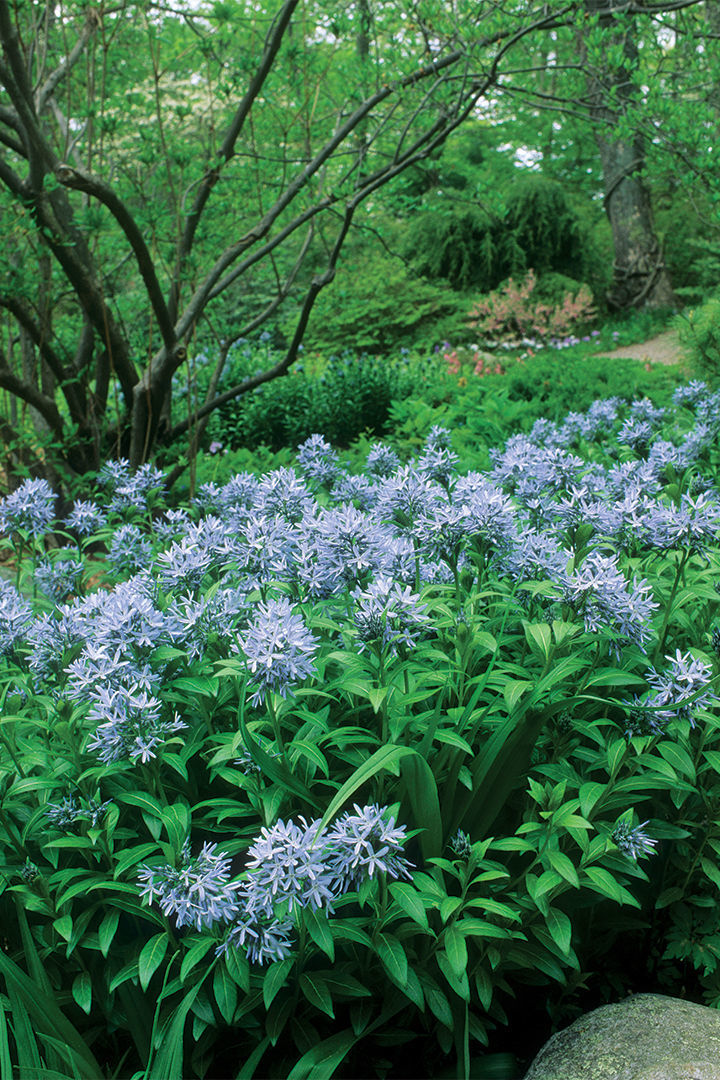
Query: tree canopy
[172, 175]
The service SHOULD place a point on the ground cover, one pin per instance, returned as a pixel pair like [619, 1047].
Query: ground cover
[329, 762]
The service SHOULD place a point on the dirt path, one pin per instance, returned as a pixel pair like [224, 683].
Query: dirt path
[663, 349]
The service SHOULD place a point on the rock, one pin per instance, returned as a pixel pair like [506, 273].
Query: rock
[645, 1037]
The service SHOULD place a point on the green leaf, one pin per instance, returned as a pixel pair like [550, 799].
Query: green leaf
[28, 1054]
[458, 984]
[603, 882]
[386, 758]
[249, 1068]
[513, 690]
[456, 950]
[129, 971]
[132, 856]
[376, 696]
[238, 968]
[47, 1019]
[422, 794]
[318, 927]
[176, 819]
[225, 992]
[669, 896]
[392, 956]
[615, 756]
[539, 638]
[82, 991]
[437, 1002]
[711, 871]
[276, 769]
[168, 1061]
[407, 897]
[194, 955]
[275, 978]
[342, 984]
[205, 687]
[316, 991]
[678, 758]
[560, 928]
[6, 1068]
[713, 759]
[277, 1017]
[63, 925]
[151, 957]
[310, 751]
[563, 865]
[322, 1060]
[485, 640]
[144, 801]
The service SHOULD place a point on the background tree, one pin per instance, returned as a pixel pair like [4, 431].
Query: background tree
[611, 59]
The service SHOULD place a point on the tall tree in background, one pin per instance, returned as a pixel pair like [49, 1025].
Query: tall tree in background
[611, 60]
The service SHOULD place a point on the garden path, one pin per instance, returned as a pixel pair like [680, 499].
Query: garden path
[663, 349]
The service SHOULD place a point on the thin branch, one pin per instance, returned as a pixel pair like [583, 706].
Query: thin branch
[80, 180]
[29, 393]
[317, 284]
[67, 381]
[48, 88]
[227, 150]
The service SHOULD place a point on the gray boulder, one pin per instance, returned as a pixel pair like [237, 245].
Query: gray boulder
[645, 1037]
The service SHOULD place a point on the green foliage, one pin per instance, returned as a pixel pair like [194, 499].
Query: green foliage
[699, 330]
[545, 227]
[464, 247]
[340, 397]
[483, 412]
[376, 305]
[538, 229]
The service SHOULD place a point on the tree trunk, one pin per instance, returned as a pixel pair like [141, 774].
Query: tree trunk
[639, 273]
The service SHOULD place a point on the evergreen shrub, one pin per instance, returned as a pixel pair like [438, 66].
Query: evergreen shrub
[342, 397]
[699, 330]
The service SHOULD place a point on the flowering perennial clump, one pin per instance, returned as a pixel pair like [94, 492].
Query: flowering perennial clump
[511, 658]
[289, 867]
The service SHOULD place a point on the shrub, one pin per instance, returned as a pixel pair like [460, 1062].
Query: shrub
[465, 248]
[376, 306]
[470, 249]
[342, 397]
[699, 330]
[519, 311]
[545, 227]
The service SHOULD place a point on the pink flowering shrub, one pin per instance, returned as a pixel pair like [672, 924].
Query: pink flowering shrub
[516, 312]
[461, 358]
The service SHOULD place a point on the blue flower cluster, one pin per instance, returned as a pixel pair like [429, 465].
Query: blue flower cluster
[242, 571]
[289, 867]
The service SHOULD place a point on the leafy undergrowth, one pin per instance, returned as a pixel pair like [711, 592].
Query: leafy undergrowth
[329, 768]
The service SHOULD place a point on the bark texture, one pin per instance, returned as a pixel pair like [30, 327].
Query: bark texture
[640, 276]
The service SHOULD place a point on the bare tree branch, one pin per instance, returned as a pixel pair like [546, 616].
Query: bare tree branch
[29, 393]
[81, 180]
[227, 150]
[67, 380]
[48, 88]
